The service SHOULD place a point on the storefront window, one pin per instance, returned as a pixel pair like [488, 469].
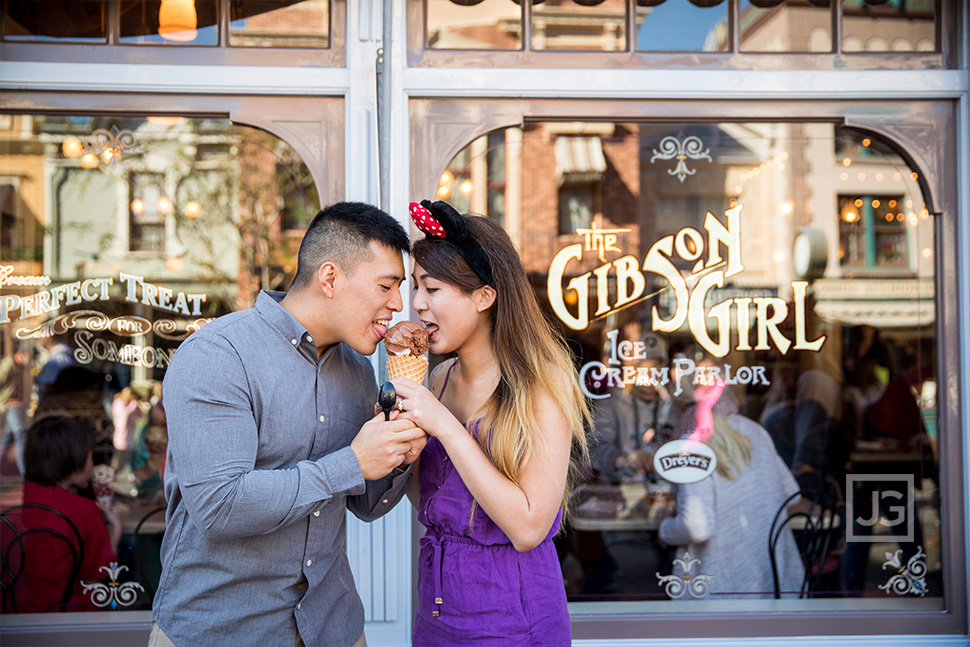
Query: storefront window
[290, 33]
[888, 26]
[779, 26]
[293, 23]
[121, 236]
[486, 24]
[169, 22]
[762, 366]
[57, 20]
[679, 26]
[580, 25]
[728, 32]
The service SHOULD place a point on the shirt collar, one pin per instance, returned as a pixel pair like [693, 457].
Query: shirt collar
[268, 305]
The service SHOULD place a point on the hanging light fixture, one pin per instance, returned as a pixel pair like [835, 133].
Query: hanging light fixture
[178, 20]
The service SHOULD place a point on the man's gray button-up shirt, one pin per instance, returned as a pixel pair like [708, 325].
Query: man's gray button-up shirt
[258, 477]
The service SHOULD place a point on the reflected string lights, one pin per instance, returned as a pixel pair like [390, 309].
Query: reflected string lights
[776, 162]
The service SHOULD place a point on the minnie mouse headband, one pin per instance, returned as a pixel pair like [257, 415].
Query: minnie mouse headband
[440, 219]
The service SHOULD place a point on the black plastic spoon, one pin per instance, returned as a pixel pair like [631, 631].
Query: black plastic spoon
[387, 399]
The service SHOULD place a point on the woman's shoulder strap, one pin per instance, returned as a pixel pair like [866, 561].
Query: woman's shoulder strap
[446, 367]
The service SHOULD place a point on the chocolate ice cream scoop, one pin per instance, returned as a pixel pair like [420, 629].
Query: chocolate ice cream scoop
[406, 338]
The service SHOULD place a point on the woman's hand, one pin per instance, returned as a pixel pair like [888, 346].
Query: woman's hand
[419, 405]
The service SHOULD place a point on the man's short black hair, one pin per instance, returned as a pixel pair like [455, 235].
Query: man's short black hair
[341, 233]
[56, 446]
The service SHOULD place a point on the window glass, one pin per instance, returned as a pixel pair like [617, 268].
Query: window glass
[889, 26]
[292, 23]
[471, 24]
[786, 26]
[169, 22]
[120, 238]
[579, 25]
[755, 435]
[682, 26]
[915, 30]
[55, 20]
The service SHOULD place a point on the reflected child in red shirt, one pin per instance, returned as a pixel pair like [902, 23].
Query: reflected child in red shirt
[58, 459]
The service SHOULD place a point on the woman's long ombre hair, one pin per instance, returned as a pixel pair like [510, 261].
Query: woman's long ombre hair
[532, 355]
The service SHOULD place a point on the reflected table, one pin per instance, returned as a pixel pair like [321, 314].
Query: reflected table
[627, 506]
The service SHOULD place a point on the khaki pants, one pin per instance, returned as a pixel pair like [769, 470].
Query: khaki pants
[158, 639]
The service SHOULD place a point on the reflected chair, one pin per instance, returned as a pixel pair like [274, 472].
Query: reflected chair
[16, 539]
[817, 524]
[147, 546]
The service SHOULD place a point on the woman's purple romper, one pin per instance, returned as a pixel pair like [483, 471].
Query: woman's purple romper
[474, 588]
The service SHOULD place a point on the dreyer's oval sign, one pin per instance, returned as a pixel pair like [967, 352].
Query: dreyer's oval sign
[684, 461]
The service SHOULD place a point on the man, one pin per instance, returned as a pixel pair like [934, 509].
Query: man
[59, 357]
[272, 437]
[632, 421]
[14, 402]
[627, 427]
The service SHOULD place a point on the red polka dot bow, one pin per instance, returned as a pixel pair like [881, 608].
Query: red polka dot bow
[439, 219]
[425, 221]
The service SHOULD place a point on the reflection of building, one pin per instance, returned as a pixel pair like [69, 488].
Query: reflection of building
[629, 180]
[21, 200]
[557, 25]
[158, 209]
[805, 26]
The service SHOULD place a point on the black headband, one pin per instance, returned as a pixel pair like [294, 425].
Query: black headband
[440, 219]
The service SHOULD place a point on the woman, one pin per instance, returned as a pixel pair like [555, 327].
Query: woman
[725, 519]
[503, 417]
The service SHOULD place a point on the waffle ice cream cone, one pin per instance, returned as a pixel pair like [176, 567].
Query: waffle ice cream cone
[406, 343]
[407, 366]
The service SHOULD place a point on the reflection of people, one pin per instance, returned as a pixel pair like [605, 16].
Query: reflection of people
[885, 423]
[724, 520]
[14, 402]
[148, 448]
[627, 427]
[494, 475]
[803, 426]
[272, 438]
[628, 422]
[58, 461]
[868, 368]
[79, 391]
[59, 355]
[127, 415]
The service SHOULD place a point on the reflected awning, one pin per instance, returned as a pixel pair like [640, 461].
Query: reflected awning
[579, 160]
[903, 303]
[888, 314]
